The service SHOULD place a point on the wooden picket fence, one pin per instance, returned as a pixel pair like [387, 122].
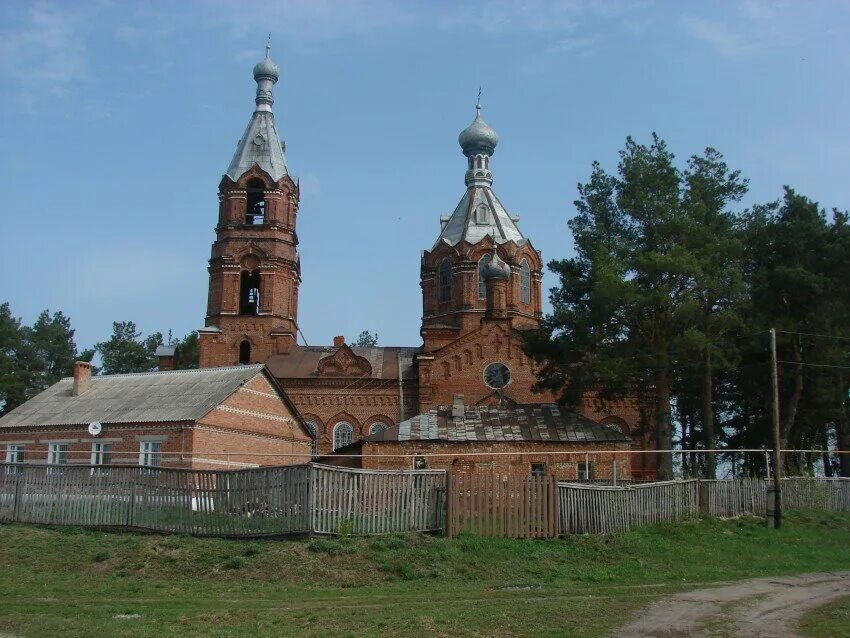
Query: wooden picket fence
[324, 499]
[350, 501]
[595, 509]
[491, 504]
[591, 509]
[271, 501]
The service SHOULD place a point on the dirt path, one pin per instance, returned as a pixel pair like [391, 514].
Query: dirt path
[761, 608]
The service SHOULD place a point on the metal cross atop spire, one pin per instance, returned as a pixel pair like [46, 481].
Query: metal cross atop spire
[269, 46]
[478, 104]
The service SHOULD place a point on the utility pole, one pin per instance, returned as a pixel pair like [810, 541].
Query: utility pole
[777, 456]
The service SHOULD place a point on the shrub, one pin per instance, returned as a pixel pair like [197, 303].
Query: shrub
[101, 556]
[235, 562]
[252, 549]
[346, 527]
[324, 546]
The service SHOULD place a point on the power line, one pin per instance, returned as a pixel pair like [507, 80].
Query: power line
[814, 365]
[812, 334]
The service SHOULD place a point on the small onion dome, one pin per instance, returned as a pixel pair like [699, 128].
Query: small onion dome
[496, 268]
[478, 137]
[266, 69]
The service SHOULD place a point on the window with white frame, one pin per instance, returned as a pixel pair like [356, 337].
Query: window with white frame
[150, 453]
[586, 472]
[525, 282]
[14, 454]
[482, 285]
[101, 454]
[377, 426]
[57, 454]
[343, 434]
[314, 445]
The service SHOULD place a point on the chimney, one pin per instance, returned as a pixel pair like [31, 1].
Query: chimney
[339, 341]
[82, 377]
[166, 355]
[458, 410]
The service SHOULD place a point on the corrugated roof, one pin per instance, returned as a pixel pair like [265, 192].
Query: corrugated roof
[532, 422]
[302, 361]
[177, 395]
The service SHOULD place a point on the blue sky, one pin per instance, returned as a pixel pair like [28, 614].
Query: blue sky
[117, 121]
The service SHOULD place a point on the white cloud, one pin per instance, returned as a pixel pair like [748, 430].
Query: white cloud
[757, 25]
[45, 54]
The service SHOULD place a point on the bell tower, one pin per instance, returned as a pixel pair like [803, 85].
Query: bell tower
[252, 306]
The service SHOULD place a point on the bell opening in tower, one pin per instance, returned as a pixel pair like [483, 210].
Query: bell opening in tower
[249, 295]
[255, 203]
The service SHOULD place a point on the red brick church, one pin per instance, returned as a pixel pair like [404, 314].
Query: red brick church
[481, 289]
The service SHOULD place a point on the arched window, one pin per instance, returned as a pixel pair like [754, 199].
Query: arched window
[525, 282]
[314, 446]
[482, 285]
[482, 214]
[377, 426]
[255, 202]
[444, 282]
[343, 434]
[249, 293]
[245, 352]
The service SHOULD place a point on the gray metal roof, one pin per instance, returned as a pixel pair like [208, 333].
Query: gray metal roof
[532, 422]
[480, 213]
[150, 397]
[259, 145]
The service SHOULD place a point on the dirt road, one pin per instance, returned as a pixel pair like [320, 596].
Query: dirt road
[761, 608]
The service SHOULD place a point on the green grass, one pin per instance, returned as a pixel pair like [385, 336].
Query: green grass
[827, 621]
[71, 582]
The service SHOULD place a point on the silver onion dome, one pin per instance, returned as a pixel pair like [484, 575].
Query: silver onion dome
[478, 137]
[266, 69]
[496, 268]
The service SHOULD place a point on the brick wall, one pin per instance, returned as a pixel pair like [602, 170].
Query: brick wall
[359, 402]
[523, 454]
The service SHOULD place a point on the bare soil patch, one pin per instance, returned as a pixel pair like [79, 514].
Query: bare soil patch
[759, 608]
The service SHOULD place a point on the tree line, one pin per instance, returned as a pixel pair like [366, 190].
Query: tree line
[670, 297]
[32, 358]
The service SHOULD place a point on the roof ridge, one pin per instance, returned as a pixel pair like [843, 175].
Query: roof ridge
[255, 366]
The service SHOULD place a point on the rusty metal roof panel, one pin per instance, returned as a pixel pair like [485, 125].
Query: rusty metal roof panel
[536, 422]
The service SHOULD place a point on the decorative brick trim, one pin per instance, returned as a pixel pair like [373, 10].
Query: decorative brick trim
[198, 459]
[260, 415]
[258, 392]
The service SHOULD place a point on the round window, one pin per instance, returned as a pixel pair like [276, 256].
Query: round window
[497, 375]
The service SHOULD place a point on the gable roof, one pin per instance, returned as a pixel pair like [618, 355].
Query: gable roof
[302, 362]
[148, 397]
[544, 422]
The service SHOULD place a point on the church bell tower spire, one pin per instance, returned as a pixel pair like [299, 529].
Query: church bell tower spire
[252, 308]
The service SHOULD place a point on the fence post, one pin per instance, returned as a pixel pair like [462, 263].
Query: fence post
[703, 507]
[450, 504]
[16, 508]
[131, 503]
[311, 499]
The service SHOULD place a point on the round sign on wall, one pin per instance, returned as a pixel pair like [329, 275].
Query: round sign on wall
[95, 428]
[497, 375]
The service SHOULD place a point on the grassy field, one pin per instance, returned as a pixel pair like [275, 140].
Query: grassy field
[827, 622]
[70, 582]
